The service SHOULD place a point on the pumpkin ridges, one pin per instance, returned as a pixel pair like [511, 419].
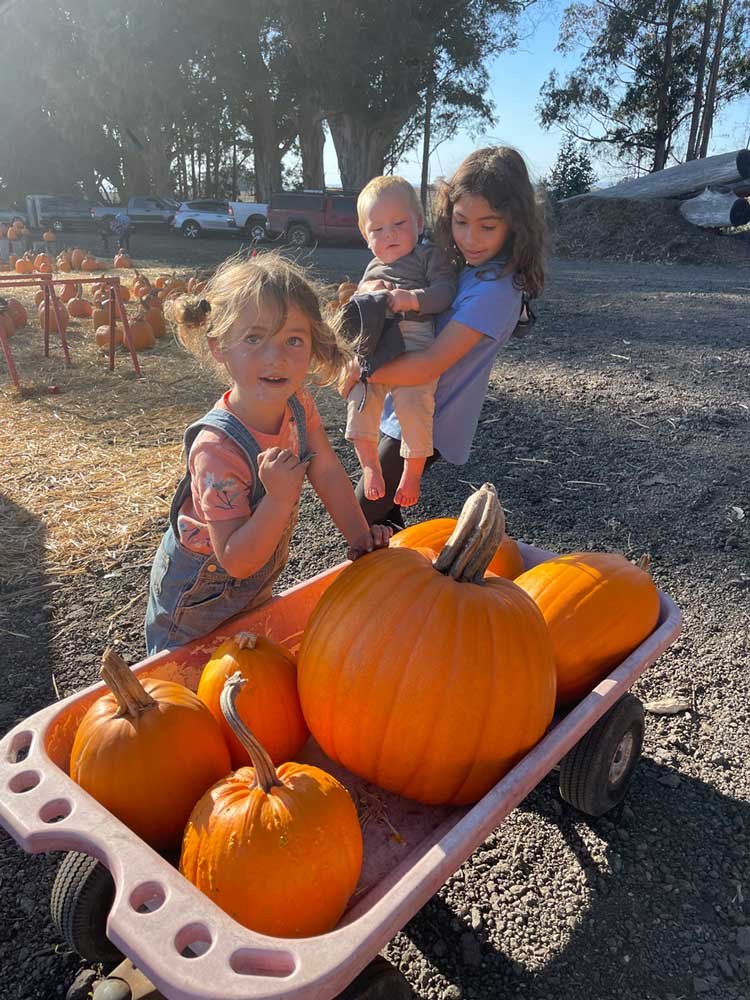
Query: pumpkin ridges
[598, 608]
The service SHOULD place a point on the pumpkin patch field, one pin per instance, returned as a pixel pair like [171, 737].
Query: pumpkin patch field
[622, 425]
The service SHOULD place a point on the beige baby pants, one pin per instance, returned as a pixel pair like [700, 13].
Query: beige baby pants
[414, 404]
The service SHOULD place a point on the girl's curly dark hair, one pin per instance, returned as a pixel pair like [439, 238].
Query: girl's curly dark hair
[499, 174]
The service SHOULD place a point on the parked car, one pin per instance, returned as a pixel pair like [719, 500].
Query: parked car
[194, 217]
[58, 212]
[140, 209]
[252, 218]
[301, 217]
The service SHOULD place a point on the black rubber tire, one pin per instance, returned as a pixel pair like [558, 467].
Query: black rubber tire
[255, 230]
[378, 981]
[191, 229]
[298, 235]
[739, 213]
[595, 774]
[82, 896]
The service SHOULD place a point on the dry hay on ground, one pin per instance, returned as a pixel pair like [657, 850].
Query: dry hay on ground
[89, 470]
[628, 230]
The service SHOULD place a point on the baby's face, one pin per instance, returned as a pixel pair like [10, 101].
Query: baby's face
[391, 228]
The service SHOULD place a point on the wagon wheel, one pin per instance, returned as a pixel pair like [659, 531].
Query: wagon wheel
[595, 774]
[378, 981]
[82, 896]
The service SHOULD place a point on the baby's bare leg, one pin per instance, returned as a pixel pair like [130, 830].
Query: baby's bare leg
[409, 485]
[367, 453]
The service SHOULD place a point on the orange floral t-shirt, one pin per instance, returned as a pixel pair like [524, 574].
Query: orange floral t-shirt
[222, 480]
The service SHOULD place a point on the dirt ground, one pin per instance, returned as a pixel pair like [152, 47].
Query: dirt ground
[621, 424]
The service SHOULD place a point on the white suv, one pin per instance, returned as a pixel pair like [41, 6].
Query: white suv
[209, 215]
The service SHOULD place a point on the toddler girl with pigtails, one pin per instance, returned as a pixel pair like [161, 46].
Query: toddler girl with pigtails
[259, 321]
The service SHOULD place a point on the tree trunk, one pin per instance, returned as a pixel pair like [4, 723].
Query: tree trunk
[193, 175]
[361, 142]
[662, 112]
[235, 192]
[311, 142]
[709, 107]
[426, 143]
[134, 169]
[692, 149]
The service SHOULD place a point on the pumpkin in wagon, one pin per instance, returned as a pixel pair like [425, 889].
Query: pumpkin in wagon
[147, 752]
[433, 534]
[268, 704]
[279, 850]
[598, 607]
[428, 679]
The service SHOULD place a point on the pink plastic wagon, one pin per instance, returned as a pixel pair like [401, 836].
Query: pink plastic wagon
[186, 948]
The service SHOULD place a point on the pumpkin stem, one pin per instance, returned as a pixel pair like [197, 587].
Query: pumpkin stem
[246, 640]
[475, 539]
[265, 772]
[644, 563]
[131, 695]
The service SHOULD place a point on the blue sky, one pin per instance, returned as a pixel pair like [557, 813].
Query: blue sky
[515, 80]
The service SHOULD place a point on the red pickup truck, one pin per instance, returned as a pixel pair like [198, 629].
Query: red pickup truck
[306, 217]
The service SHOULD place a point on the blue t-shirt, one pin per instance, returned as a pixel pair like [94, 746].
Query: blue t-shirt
[488, 302]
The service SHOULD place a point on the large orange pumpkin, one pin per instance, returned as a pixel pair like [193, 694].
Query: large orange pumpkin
[24, 266]
[279, 850]
[507, 561]
[147, 752]
[598, 608]
[268, 704]
[429, 680]
[99, 317]
[80, 308]
[70, 290]
[155, 319]
[18, 311]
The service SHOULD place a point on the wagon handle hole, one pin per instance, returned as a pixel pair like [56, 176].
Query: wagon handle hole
[254, 962]
[193, 940]
[24, 781]
[55, 811]
[147, 897]
[20, 746]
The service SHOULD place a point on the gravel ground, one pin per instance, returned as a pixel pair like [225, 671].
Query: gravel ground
[622, 424]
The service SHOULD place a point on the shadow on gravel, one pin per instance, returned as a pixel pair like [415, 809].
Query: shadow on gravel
[26, 676]
[662, 915]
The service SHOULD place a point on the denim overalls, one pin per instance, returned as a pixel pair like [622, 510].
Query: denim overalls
[190, 594]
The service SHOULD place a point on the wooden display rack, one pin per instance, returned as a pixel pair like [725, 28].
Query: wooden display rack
[47, 283]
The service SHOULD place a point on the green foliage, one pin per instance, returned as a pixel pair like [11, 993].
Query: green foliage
[572, 172]
[633, 90]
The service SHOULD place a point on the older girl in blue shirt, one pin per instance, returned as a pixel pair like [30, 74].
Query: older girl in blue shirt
[491, 222]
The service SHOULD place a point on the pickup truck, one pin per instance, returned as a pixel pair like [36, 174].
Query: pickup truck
[301, 217]
[58, 212]
[252, 217]
[140, 210]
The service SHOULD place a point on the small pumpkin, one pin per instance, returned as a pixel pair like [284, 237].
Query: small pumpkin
[77, 257]
[63, 312]
[80, 308]
[101, 335]
[141, 335]
[89, 264]
[155, 319]
[598, 607]
[122, 260]
[99, 316]
[280, 850]
[268, 704]
[42, 258]
[429, 679]
[147, 752]
[24, 266]
[433, 534]
[70, 290]
[49, 236]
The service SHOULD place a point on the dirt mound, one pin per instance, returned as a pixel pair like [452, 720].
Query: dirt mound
[624, 229]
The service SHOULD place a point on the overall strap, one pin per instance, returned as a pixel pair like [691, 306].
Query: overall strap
[298, 412]
[234, 429]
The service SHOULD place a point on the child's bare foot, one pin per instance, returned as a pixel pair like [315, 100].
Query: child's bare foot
[374, 484]
[408, 490]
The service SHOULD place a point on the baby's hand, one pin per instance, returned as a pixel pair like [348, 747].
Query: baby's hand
[377, 538]
[377, 285]
[400, 300]
[282, 474]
